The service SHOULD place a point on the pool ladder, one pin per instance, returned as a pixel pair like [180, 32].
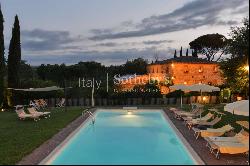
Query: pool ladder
[85, 112]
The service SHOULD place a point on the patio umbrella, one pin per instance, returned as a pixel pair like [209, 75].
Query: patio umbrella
[181, 87]
[203, 88]
[238, 107]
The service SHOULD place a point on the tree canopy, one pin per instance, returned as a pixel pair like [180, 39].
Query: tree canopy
[211, 45]
[239, 42]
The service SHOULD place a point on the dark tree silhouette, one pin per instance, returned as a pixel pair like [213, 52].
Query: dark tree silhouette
[14, 57]
[2, 59]
[210, 45]
[187, 52]
[181, 52]
[239, 42]
[175, 56]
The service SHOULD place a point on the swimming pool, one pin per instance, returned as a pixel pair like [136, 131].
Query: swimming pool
[121, 137]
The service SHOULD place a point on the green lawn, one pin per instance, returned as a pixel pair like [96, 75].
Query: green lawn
[19, 138]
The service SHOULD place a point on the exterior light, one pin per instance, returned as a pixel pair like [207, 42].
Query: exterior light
[2, 110]
[204, 98]
[172, 65]
[239, 98]
[172, 77]
[185, 83]
[129, 112]
[246, 68]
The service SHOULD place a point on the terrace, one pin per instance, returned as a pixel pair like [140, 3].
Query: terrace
[29, 142]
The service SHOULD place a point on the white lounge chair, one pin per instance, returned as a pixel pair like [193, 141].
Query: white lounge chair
[210, 132]
[33, 111]
[61, 103]
[22, 115]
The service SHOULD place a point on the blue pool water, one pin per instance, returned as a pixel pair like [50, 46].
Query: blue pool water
[144, 137]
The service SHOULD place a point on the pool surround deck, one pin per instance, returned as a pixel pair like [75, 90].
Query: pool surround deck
[196, 147]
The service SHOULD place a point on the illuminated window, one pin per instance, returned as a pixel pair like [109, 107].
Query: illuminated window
[200, 70]
[215, 69]
[185, 69]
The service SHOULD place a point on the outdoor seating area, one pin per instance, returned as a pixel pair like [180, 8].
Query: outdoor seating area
[35, 110]
[220, 134]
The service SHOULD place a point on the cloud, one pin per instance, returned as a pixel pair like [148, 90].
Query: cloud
[108, 44]
[40, 40]
[104, 57]
[156, 42]
[192, 15]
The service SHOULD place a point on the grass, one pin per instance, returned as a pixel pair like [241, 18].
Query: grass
[20, 138]
[228, 118]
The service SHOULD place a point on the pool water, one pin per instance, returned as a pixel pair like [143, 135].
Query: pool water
[143, 137]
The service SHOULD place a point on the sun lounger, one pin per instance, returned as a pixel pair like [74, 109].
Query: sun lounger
[194, 113]
[61, 103]
[43, 103]
[33, 111]
[210, 132]
[228, 147]
[204, 125]
[22, 115]
[203, 119]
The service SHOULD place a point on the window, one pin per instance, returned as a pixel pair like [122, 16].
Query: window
[200, 69]
[204, 76]
[215, 69]
[153, 70]
[185, 69]
[167, 70]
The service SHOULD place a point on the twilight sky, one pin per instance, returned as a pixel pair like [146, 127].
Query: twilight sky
[112, 31]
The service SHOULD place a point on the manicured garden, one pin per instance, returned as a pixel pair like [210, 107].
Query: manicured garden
[19, 138]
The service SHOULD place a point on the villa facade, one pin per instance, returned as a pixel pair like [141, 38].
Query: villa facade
[179, 70]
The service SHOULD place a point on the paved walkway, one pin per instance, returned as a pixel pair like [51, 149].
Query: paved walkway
[200, 146]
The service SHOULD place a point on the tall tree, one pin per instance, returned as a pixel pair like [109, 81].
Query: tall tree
[187, 52]
[175, 56]
[2, 59]
[239, 42]
[195, 53]
[181, 52]
[14, 57]
[211, 45]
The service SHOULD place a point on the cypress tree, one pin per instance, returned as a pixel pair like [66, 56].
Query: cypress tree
[175, 54]
[2, 59]
[195, 53]
[14, 56]
[192, 53]
[181, 52]
[187, 52]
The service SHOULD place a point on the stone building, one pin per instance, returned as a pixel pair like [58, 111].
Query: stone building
[179, 70]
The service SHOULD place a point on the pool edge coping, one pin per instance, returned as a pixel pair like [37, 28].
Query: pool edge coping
[193, 153]
[196, 158]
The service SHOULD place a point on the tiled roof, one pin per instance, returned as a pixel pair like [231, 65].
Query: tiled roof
[184, 59]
